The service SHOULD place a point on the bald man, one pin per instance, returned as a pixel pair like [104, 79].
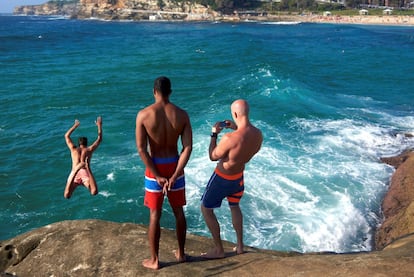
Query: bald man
[234, 150]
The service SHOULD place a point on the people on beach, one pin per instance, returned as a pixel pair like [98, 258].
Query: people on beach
[159, 127]
[81, 173]
[234, 150]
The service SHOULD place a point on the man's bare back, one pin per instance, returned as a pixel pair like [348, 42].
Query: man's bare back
[238, 147]
[163, 123]
[242, 144]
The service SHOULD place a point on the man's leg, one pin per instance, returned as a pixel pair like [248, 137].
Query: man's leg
[154, 233]
[214, 227]
[93, 188]
[181, 231]
[70, 184]
[237, 219]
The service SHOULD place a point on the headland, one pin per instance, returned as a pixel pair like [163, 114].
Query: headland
[189, 11]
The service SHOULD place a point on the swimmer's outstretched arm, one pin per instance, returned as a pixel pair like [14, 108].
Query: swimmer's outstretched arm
[68, 140]
[98, 140]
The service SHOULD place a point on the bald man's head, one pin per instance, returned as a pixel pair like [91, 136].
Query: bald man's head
[240, 107]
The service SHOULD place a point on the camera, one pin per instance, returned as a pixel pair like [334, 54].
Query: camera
[224, 124]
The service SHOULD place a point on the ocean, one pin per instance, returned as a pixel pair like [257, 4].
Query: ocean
[330, 99]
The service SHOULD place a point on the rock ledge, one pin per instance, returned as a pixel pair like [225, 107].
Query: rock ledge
[101, 248]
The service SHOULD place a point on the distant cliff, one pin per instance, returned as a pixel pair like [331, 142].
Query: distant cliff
[70, 9]
[122, 10]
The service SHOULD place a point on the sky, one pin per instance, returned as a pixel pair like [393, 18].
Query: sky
[7, 6]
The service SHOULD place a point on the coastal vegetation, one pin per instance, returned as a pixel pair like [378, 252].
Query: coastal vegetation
[336, 7]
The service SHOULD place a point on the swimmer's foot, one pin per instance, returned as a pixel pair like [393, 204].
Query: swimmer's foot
[181, 258]
[213, 253]
[151, 264]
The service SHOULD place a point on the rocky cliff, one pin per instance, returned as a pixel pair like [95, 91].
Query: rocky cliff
[99, 248]
[123, 10]
[398, 203]
[48, 9]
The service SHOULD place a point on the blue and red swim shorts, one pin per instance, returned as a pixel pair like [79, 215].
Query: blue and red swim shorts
[154, 196]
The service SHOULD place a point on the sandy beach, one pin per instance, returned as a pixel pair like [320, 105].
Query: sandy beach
[334, 19]
[361, 19]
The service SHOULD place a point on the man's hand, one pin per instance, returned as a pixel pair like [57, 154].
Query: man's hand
[216, 128]
[171, 182]
[163, 182]
[76, 124]
[98, 121]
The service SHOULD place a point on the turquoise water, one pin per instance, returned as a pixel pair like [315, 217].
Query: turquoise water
[330, 100]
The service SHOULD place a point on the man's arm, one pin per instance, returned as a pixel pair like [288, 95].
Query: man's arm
[68, 140]
[187, 148]
[141, 140]
[98, 140]
[217, 151]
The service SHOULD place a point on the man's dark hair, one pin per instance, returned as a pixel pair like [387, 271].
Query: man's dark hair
[163, 85]
[83, 141]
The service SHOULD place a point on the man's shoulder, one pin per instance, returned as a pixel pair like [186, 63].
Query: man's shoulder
[73, 149]
[146, 110]
[178, 109]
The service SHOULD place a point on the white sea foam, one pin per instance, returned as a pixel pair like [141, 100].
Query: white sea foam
[110, 177]
[315, 195]
[106, 194]
[281, 23]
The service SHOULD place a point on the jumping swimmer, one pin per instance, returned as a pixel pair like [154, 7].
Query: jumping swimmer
[81, 173]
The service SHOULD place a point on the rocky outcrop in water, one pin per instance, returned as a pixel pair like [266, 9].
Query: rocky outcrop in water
[398, 203]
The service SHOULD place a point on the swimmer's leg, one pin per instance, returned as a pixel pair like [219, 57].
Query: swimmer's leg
[70, 184]
[92, 186]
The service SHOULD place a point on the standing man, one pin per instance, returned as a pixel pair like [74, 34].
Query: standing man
[158, 129]
[81, 173]
[234, 150]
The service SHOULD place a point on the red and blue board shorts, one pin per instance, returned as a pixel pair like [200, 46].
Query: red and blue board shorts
[154, 196]
[221, 186]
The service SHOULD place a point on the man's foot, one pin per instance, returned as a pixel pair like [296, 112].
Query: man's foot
[213, 253]
[148, 263]
[238, 250]
[180, 258]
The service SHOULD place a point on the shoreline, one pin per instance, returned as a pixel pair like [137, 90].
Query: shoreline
[389, 20]
[382, 20]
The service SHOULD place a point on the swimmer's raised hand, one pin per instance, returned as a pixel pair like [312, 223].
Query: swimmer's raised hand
[98, 121]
